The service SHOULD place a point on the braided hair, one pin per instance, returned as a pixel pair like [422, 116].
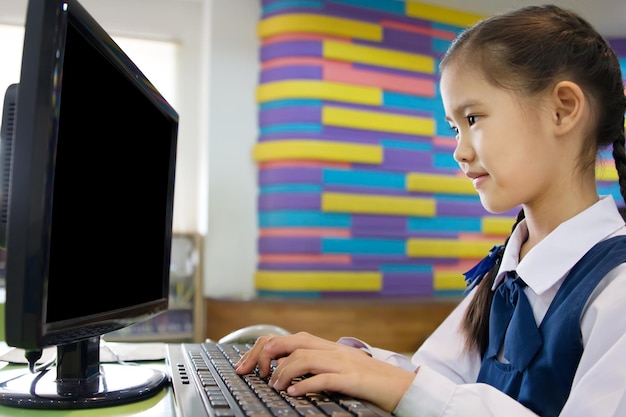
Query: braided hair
[527, 51]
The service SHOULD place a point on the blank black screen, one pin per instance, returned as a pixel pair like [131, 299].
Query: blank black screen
[108, 239]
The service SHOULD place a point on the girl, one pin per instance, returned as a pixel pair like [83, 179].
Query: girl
[532, 95]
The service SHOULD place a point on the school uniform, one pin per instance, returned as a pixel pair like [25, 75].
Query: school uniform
[446, 380]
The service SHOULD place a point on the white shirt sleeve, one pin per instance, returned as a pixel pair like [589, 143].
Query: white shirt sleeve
[433, 395]
[384, 355]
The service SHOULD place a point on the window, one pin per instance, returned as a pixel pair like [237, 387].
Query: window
[157, 60]
[11, 41]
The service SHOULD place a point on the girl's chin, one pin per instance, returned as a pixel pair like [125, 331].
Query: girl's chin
[493, 207]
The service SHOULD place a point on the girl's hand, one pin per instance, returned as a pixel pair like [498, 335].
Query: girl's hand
[332, 366]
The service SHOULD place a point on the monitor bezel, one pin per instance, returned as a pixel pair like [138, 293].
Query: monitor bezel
[30, 204]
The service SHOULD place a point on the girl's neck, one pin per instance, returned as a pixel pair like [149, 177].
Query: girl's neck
[542, 220]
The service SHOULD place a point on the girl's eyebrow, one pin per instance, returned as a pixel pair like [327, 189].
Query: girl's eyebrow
[461, 107]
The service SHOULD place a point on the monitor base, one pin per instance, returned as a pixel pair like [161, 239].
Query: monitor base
[115, 384]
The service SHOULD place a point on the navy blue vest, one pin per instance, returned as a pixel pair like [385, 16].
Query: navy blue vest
[547, 380]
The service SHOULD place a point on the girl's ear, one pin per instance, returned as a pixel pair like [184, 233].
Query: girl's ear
[569, 107]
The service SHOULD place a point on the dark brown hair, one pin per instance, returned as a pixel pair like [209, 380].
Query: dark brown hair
[529, 50]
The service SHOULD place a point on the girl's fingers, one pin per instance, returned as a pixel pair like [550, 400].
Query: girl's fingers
[268, 348]
[254, 357]
[313, 362]
[348, 371]
[294, 366]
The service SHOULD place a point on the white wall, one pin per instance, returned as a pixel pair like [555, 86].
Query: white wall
[230, 245]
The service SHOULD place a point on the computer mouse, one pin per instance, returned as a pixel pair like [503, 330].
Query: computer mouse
[249, 334]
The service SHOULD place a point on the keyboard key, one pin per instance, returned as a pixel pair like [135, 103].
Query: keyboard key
[334, 410]
[309, 411]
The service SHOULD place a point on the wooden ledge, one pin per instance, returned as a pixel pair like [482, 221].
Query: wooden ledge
[397, 324]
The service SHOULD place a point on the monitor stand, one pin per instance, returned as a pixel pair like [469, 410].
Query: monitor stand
[80, 381]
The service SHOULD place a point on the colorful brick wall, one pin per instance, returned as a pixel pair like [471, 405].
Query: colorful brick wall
[358, 190]
[606, 174]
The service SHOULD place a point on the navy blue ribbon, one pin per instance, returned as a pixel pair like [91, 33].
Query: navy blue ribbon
[476, 274]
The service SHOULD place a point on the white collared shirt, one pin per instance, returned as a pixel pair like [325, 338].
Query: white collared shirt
[445, 382]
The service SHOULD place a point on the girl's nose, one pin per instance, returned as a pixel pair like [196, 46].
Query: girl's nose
[463, 152]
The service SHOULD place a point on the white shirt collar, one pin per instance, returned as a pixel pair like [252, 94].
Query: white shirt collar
[555, 255]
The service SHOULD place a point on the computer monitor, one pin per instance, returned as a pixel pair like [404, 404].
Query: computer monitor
[88, 163]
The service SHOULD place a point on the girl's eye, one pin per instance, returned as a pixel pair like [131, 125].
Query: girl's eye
[471, 120]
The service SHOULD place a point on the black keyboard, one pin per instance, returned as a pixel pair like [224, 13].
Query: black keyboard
[205, 383]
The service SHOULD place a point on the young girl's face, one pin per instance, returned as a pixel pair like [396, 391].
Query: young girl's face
[503, 140]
